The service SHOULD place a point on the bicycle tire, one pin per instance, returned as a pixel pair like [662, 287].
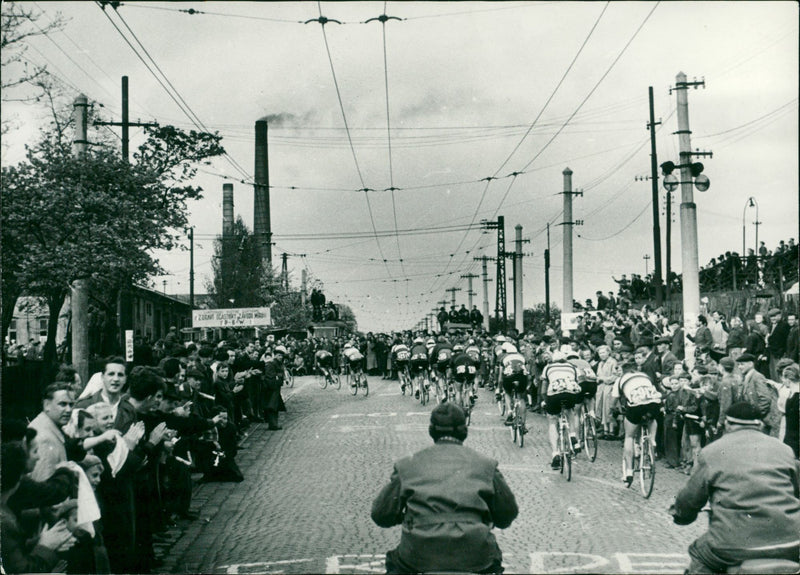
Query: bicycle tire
[566, 457]
[363, 377]
[352, 379]
[647, 468]
[468, 414]
[589, 438]
[514, 429]
[337, 380]
[322, 380]
[520, 424]
[288, 377]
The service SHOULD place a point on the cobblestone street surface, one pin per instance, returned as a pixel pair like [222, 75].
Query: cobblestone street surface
[304, 506]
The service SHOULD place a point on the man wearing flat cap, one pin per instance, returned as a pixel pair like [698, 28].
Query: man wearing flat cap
[750, 481]
[757, 392]
[447, 498]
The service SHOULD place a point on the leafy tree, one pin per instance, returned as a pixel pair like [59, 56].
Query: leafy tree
[97, 217]
[237, 272]
[533, 319]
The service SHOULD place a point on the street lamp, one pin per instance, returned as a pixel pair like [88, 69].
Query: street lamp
[751, 203]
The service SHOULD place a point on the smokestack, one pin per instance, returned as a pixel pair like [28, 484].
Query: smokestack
[227, 210]
[261, 220]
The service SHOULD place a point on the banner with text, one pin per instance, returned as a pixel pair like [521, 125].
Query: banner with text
[569, 321]
[233, 317]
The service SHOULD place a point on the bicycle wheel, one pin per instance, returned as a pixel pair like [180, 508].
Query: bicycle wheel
[336, 380]
[647, 468]
[566, 456]
[288, 377]
[425, 392]
[363, 378]
[589, 438]
[322, 380]
[501, 403]
[402, 378]
[352, 379]
[520, 424]
[514, 427]
[468, 413]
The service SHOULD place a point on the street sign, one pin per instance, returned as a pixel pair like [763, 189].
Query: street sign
[233, 317]
[128, 345]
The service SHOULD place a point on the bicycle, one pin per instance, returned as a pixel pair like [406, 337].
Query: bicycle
[424, 389]
[357, 379]
[288, 377]
[644, 460]
[327, 377]
[588, 433]
[517, 424]
[405, 380]
[565, 449]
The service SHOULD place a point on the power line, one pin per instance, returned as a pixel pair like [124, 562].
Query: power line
[347, 131]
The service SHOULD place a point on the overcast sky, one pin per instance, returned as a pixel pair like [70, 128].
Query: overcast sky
[475, 90]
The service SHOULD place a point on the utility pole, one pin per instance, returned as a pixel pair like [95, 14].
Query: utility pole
[124, 311]
[469, 277]
[654, 180]
[646, 258]
[303, 286]
[453, 291]
[547, 278]
[689, 251]
[486, 280]
[191, 267]
[79, 299]
[500, 308]
[519, 312]
[568, 223]
[668, 246]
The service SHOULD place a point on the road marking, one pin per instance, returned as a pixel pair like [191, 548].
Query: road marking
[538, 562]
[675, 562]
[263, 567]
[373, 564]
[338, 415]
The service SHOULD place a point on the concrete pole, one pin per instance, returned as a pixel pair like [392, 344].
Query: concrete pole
[79, 298]
[303, 286]
[690, 265]
[567, 304]
[654, 182]
[518, 309]
[485, 277]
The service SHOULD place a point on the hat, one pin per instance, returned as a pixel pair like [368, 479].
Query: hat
[774, 311]
[742, 413]
[745, 357]
[448, 418]
[701, 369]
[667, 340]
[782, 364]
[727, 363]
[684, 375]
[280, 349]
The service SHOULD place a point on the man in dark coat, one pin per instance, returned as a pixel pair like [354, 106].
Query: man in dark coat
[447, 497]
[476, 317]
[442, 318]
[776, 342]
[273, 381]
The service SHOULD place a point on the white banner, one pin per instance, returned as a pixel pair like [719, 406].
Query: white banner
[234, 317]
[128, 345]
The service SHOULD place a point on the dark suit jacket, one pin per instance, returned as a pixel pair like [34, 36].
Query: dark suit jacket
[651, 366]
[776, 342]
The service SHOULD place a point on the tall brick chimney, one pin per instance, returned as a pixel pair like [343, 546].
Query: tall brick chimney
[262, 228]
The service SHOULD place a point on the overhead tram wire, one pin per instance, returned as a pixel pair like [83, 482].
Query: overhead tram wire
[629, 224]
[177, 98]
[586, 99]
[383, 19]
[530, 128]
[322, 21]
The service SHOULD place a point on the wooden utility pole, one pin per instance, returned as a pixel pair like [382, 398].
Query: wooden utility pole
[654, 181]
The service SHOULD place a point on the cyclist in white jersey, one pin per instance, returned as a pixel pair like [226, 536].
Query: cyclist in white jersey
[562, 388]
[637, 397]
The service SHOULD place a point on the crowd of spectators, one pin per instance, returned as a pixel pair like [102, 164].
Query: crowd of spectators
[105, 468]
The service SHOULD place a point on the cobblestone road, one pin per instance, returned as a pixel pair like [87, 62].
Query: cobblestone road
[305, 502]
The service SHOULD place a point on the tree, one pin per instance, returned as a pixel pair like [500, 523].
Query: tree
[237, 272]
[18, 23]
[533, 319]
[97, 217]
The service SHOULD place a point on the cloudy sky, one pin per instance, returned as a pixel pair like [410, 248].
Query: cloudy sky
[475, 91]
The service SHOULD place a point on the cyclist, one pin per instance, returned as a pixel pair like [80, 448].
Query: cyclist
[440, 357]
[514, 378]
[637, 397]
[400, 358]
[474, 352]
[323, 362]
[419, 363]
[354, 359]
[463, 367]
[561, 381]
[587, 379]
